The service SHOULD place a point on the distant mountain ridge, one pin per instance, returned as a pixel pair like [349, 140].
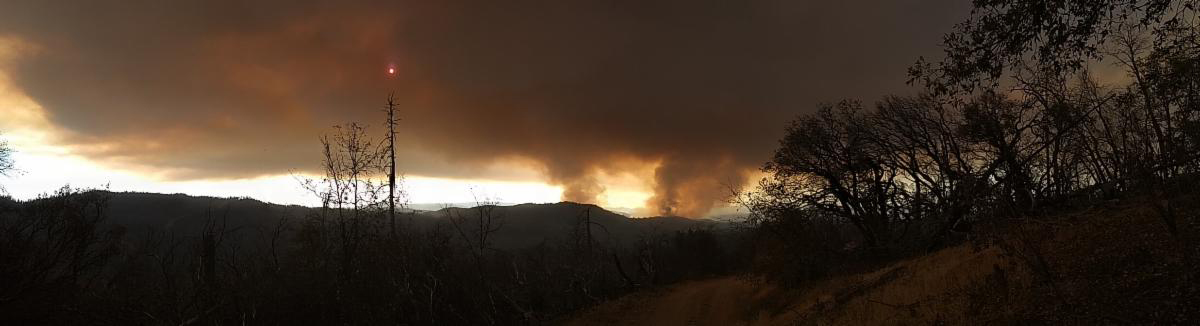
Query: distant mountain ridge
[529, 224]
[522, 225]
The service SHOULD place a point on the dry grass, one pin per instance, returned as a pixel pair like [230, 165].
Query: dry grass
[918, 291]
[1107, 264]
[1113, 263]
[929, 289]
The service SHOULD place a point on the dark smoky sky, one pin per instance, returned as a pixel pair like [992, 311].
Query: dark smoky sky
[232, 89]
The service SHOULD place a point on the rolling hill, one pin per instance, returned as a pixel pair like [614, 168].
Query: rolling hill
[521, 225]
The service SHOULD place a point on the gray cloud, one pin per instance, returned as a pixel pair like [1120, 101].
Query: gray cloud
[215, 89]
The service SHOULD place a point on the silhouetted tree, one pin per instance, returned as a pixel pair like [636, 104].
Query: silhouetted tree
[54, 251]
[6, 162]
[1011, 121]
[831, 161]
[1059, 36]
[390, 156]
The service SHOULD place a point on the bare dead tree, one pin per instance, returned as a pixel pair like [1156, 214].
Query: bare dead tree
[392, 121]
[6, 162]
[476, 230]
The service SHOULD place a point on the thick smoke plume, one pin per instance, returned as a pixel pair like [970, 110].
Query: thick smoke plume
[700, 89]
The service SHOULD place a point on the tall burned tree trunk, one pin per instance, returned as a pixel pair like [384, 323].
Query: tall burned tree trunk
[391, 122]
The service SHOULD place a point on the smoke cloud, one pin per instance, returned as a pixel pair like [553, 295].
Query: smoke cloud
[230, 89]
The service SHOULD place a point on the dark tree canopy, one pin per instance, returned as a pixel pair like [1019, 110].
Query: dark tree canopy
[1011, 122]
[1059, 36]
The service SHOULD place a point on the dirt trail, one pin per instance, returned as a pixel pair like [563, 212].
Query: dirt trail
[918, 291]
[722, 301]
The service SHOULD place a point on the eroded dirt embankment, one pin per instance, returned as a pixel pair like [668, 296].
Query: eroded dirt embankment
[911, 290]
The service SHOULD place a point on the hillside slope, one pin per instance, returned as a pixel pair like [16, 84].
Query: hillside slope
[1109, 264]
[879, 297]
